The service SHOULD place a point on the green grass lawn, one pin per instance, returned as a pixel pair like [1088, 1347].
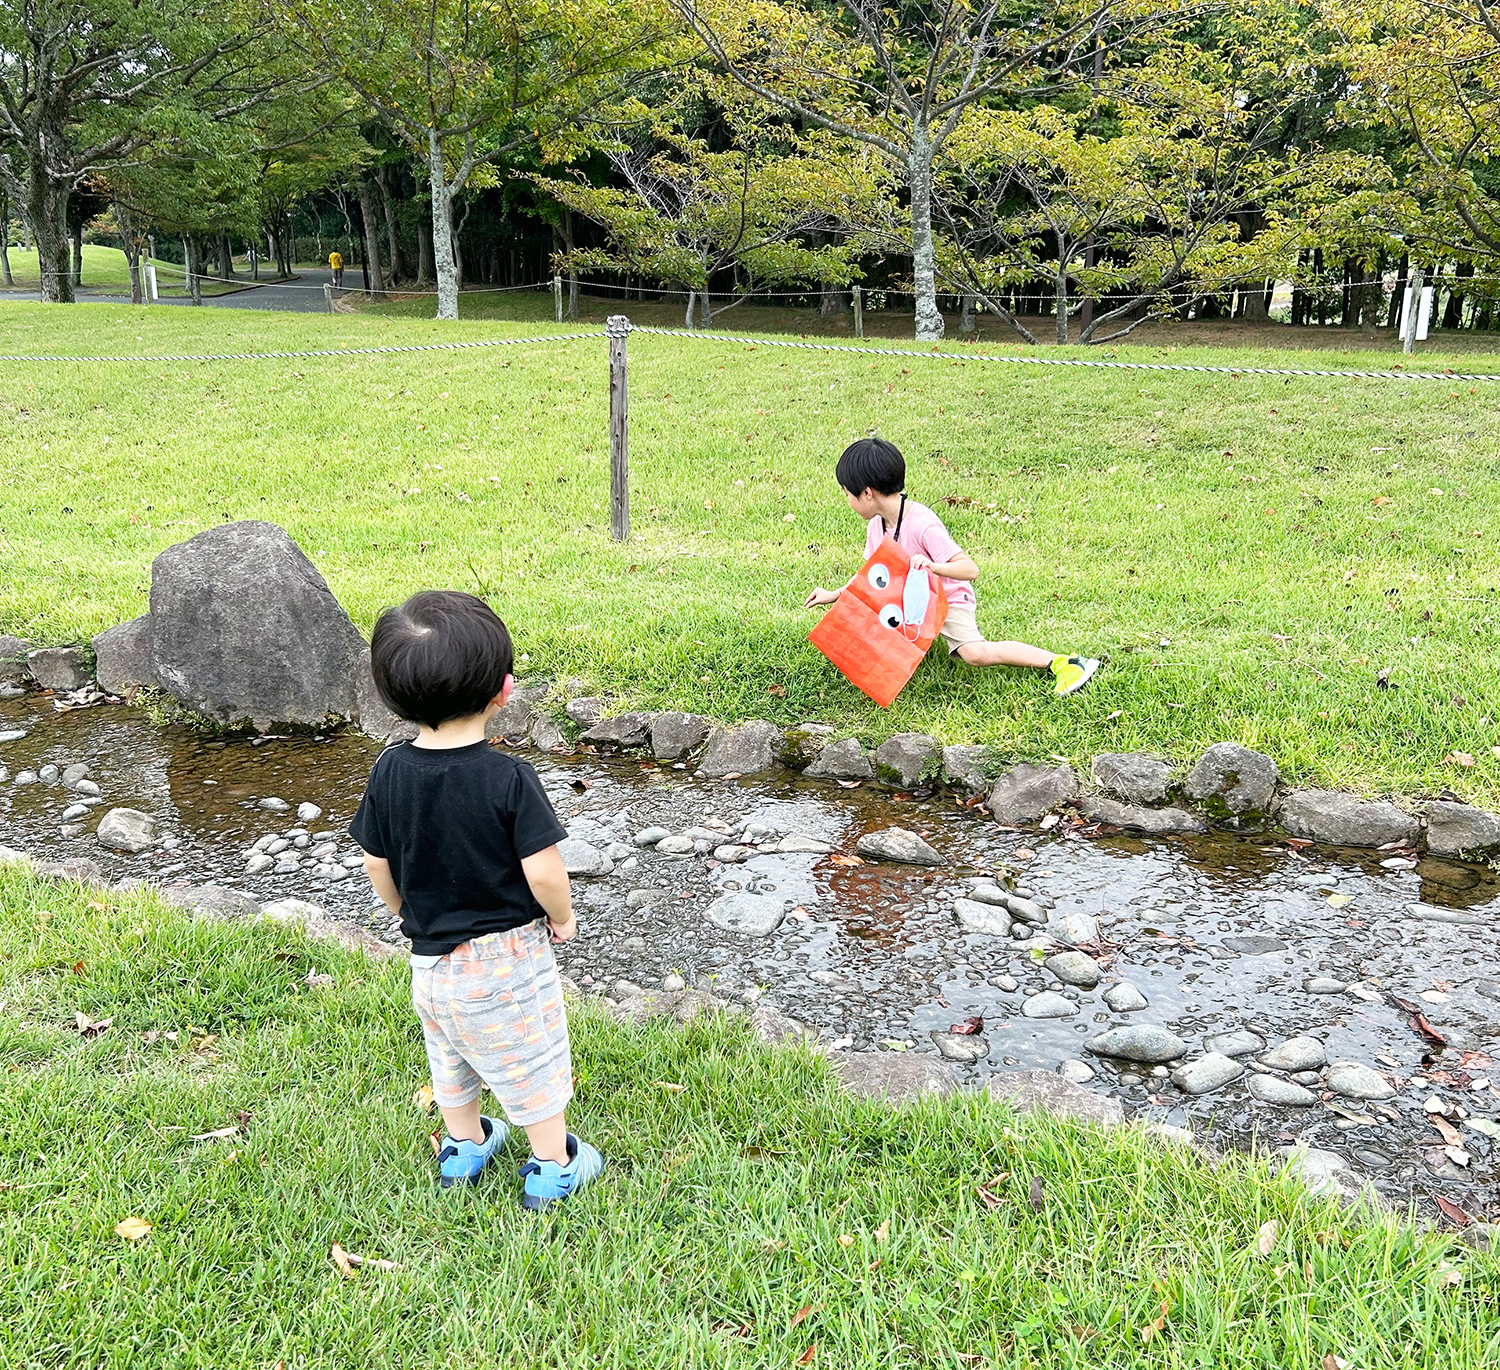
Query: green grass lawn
[1249, 553]
[105, 268]
[750, 1215]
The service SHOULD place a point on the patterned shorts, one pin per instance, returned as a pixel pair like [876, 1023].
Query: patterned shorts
[492, 1014]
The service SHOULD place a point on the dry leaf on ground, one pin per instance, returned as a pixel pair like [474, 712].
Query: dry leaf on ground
[806, 1357]
[1267, 1237]
[845, 1240]
[882, 1232]
[1149, 1331]
[1332, 1362]
[804, 1313]
[669, 1086]
[341, 1259]
[217, 1135]
[1449, 1276]
[423, 1098]
[842, 860]
[132, 1229]
[90, 1027]
[1450, 1133]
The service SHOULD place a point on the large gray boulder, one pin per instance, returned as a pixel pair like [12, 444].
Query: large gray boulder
[1138, 818]
[245, 630]
[674, 735]
[844, 760]
[127, 830]
[1134, 777]
[622, 730]
[1027, 791]
[908, 758]
[211, 901]
[1145, 1042]
[13, 652]
[1453, 829]
[966, 767]
[1026, 1091]
[1344, 821]
[745, 749]
[58, 668]
[895, 1076]
[122, 657]
[1232, 778]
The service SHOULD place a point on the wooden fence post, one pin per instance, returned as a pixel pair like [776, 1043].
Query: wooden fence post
[557, 295]
[1413, 312]
[617, 329]
[328, 295]
[859, 312]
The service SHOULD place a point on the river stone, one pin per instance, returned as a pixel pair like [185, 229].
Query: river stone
[122, 657]
[1076, 1072]
[71, 775]
[308, 812]
[1124, 998]
[57, 668]
[1026, 1091]
[81, 869]
[1027, 791]
[585, 710]
[1272, 1089]
[10, 856]
[245, 629]
[1344, 821]
[963, 1047]
[49, 774]
[545, 733]
[754, 915]
[965, 767]
[1074, 927]
[1134, 777]
[1140, 819]
[677, 845]
[674, 735]
[1144, 1042]
[895, 1076]
[898, 844]
[4, 774]
[642, 899]
[1207, 1073]
[1027, 910]
[844, 760]
[906, 758]
[1325, 1174]
[745, 749]
[213, 901]
[1233, 776]
[796, 842]
[1240, 1042]
[623, 730]
[774, 1027]
[649, 837]
[87, 788]
[1048, 1004]
[974, 916]
[1321, 984]
[513, 718]
[371, 712]
[801, 744]
[987, 892]
[259, 863]
[732, 852]
[583, 858]
[12, 734]
[13, 652]
[127, 830]
[1356, 1081]
[1254, 944]
[1294, 1054]
[1074, 968]
[1453, 829]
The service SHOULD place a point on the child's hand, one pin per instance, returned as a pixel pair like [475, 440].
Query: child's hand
[821, 596]
[563, 932]
[921, 563]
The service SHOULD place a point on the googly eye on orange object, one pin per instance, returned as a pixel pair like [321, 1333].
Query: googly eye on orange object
[880, 628]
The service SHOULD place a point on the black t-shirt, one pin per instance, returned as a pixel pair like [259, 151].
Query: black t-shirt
[455, 824]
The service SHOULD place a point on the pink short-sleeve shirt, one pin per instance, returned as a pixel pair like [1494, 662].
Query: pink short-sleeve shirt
[923, 532]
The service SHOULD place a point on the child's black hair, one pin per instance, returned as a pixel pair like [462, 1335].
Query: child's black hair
[442, 655]
[873, 464]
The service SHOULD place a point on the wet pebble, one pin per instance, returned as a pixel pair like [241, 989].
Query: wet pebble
[676, 846]
[1207, 1073]
[73, 812]
[964, 1047]
[1321, 984]
[1078, 1072]
[634, 943]
[12, 734]
[287, 864]
[619, 851]
[1295, 1054]
[1272, 1089]
[1254, 944]
[1007, 983]
[1129, 1078]
[1124, 998]
[73, 774]
[49, 774]
[640, 899]
[1315, 881]
[1355, 1081]
[308, 812]
[271, 804]
[71, 830]
[733, 852]
[976, 916]
[1075, 968]
[1138, 1042]
[1240, 1042]
[258, 863]
[276, 846]
[26, 777]
[673, 983]
[1049, 1005]
[1309, 1078]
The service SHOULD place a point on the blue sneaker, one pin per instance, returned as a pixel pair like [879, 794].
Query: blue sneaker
[548, 1183]
[464, 1162]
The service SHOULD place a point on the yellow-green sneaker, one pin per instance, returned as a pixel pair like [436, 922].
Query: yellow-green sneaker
[1073, 673]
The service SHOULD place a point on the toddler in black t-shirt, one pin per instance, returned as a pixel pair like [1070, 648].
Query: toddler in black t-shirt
[461, 842]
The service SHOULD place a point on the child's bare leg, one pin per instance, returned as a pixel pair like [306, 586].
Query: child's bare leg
[1005, 654]
[549, 1139]
[463, 1123]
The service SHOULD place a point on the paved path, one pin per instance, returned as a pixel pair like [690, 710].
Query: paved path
[302, 295]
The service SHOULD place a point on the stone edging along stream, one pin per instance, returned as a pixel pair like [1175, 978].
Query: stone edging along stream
[1230, 785]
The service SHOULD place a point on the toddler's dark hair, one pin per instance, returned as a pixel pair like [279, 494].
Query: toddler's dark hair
[441, 655]
[872, 463]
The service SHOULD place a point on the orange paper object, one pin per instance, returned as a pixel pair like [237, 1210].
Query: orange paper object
[882, 625]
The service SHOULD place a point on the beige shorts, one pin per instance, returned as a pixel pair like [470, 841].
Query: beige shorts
[960, 628]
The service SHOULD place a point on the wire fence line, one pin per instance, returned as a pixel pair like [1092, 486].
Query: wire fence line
[745, 340]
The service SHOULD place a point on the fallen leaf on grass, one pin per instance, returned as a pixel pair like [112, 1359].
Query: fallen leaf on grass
[1381, 500]
[806, 1357]
[842, 860]
[437, 1146]
[1035, 1193]
[423, 1097]
[804, 1313]
[732, 1329]
[1332, 1362]
[1453, 1212]
[78, 968]
[132, 1229]
[1449, 1276]
[1267, 1237]
[1458, 759]
[669, 1086]
[845, 1240]
[218, 1135]
[778, 690]
[1150, 1330]
[90, 1027]
[882, 1232]
[986, 1191]
[341, 1259]
[374, 1262]
[315, 980]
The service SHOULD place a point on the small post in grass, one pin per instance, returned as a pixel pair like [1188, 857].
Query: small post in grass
[859, 312]
[328, 295]
[557, 295]
[1413, 311]
[617, 329]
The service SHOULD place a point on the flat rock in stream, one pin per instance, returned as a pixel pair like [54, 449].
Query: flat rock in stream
[907, 758]
[1353, 1080]
[1254, 944]
[1233, 778]
[1135, 777]
[898, 844]
[1075, 968]
[1144, 1042]
[1453, 829]
[842, 760]
[895, 1076]
[122, 657]
[1344, 821]
[1138, 818]
[583, 858]
[746, 749]
[127, 830]
[1026, 792]
[974, 916]
[966, 1048]
[1048, 1004]
[1294, 1054]
[1125, 998]
[753, 915]
[1239, 1042]
[1272, 1089]
[675, 734]
[1026, 1091]
[1209, 1072]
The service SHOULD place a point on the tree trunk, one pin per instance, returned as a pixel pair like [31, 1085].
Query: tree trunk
[1256, 310]
[374, 283]
[75, 231]
[1062, 305]
[968, 320]
[929, 319]
[192, 266]
[1453, 315]
[226, 258]
[47, 209]
[1393, 315]
[393, 240]
[424, 252]
[128, 241]
[6, 278]
[442, 229]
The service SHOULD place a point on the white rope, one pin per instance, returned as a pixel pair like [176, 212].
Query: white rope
[329, 352]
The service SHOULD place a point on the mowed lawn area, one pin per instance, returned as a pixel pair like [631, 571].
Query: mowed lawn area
[1252, 555]
[248, 1098]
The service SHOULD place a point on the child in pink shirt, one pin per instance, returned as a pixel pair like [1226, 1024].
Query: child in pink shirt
[872, 473]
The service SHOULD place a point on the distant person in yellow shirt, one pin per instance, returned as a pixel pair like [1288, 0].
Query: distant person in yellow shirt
[336, 261]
